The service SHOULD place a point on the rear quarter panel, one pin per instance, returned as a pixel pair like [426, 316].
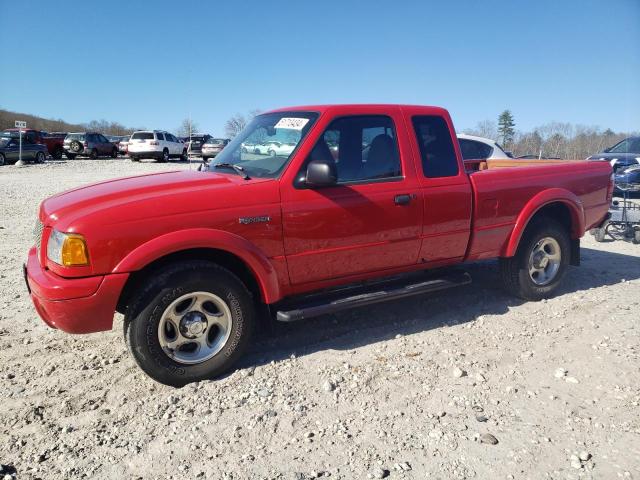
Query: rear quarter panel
[506, 198]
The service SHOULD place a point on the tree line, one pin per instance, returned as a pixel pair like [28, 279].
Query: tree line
[551, 140]
[8, 118]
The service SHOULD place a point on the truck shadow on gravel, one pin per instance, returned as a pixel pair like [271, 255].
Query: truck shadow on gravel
[372, 324]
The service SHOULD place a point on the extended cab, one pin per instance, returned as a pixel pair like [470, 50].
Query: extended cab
[52, 142]
[368, 202]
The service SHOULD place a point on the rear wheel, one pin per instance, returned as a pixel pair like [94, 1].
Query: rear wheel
[70, 156]
[540, 262]
[114, 153]
[191, 322]
[165, 156]
[57, 153]
[3, 160]
[94, 154]
[134, 159]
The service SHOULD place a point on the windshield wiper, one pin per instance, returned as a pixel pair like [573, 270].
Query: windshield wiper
[237, 168]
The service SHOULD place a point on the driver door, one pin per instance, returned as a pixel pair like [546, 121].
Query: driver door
[370, 220]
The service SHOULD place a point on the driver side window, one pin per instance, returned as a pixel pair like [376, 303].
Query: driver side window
[364, 148]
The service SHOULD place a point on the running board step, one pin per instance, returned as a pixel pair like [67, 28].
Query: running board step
[382, 294]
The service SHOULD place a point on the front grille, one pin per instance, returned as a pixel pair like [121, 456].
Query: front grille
[37, 232]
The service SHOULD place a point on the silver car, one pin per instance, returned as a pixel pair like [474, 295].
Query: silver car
[213, 147]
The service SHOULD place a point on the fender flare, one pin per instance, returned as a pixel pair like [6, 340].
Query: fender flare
[540, 200]
[257, 262]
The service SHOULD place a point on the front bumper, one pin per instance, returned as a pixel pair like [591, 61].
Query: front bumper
[74, 305]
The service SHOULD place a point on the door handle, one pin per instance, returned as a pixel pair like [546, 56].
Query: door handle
[403, 199]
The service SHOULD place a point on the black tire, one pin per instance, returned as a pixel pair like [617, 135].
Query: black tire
[184, 157]
[134, 159]
[600, 234]
[57, 153]
[40, 157]
[636, 237]
[514, 271]
[271, 153]
[3, 160]
[76, 147]
[145, 311]
[165, 156]
[94, 154]
[70, 156]
[114, 153]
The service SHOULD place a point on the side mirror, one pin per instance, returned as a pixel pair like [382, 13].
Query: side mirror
[321, 173]
[606, 150]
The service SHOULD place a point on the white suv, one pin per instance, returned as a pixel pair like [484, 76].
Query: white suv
[156, 144]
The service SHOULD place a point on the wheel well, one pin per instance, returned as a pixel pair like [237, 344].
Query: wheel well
[562, 213]
[558, 211]
[220, 257]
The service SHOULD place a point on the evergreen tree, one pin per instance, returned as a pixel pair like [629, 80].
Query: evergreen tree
[505, 127]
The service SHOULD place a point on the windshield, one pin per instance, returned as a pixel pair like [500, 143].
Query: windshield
[4, 139]
[629, 145]
[265, 145]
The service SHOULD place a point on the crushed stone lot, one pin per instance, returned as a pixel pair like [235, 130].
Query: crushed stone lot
[469, 383]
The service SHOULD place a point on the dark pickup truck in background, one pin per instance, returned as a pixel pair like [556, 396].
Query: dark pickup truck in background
[368, 205]
[52, 142]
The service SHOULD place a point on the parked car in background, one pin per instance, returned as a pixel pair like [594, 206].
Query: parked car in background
[123, 144]
[628, 179]
[480, 148]
[536, 157]
[156, 144]
[10, 149]
[213, 147]
[194, 146]
[275, 148]
[90, 144]
[622, 154]
[53, 143]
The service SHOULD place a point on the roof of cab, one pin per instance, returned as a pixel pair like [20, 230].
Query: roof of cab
[346, 108]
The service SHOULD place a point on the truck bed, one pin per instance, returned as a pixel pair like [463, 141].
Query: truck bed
[501, 190]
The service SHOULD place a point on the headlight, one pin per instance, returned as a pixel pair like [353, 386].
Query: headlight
[68, 249]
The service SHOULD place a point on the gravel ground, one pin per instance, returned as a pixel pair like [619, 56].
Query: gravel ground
[420, 388]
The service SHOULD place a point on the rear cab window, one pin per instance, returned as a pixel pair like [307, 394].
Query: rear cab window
[437, 152]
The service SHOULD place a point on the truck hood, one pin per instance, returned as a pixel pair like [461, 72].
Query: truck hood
[155, 195]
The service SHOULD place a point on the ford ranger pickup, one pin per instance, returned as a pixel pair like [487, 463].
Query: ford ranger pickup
[367, 206]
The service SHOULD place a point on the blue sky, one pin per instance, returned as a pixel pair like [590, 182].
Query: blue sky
[154, 63]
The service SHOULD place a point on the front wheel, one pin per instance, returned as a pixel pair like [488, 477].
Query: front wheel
[184, 157]
[70, 156]
[114, 153]
[191, 322]
[540, 262]
[40, 157]
[94, 154]
[2, 160]
[57, 154]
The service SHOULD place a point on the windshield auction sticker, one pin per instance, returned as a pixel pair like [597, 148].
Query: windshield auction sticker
[291, 123]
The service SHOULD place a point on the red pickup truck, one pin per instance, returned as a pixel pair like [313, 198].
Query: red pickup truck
[363, 208]
[53, 143]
